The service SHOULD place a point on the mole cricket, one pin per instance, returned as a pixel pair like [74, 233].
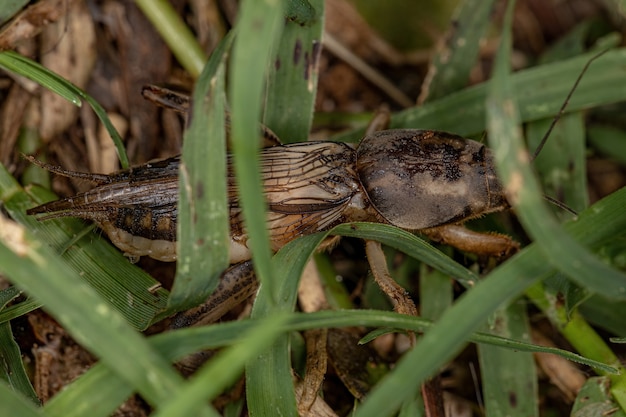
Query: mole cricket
[423, 181]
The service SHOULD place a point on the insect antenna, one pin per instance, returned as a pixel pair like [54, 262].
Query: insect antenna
[559, 204]
[554, 201]
[564, 105]
[99, 179]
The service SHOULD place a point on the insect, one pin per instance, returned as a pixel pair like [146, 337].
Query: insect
[418, 180]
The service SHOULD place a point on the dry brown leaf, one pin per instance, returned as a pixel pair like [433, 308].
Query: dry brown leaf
[30, 22]
[68, 49]
[11, 115]
[345, 23]
[561, 372]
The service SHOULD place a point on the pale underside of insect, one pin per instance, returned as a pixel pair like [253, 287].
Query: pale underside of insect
[418, 180]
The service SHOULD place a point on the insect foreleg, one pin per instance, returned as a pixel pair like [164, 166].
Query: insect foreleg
[487, 244]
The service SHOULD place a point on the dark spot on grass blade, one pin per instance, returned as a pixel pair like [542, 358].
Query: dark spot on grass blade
[297, 52]
[199, 189]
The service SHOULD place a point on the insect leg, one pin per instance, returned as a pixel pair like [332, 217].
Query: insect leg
[490, 244]
[380, 121]
[399, 297]
[237, 283]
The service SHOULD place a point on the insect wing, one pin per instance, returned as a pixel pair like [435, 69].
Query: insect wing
[307, 186]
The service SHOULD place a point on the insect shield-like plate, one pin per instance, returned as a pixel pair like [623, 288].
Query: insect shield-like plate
[419, 179]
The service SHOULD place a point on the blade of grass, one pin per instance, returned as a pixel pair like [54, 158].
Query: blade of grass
[436, 292]
[450, 68]
[12, 371]
[175, 33]
[289, 107]
[269, 378]
[224, 369]
[10, 8]
[203, 224]
[464, 112]
[17, 64]
[509, 378]
[523, 191]
[602, 220]
[103, 266]
[292, 81]
[84, 314]
[15, 405]
[171, 344]
[258, 27]
[561, 165]
[608, 141]
[32, 70]
[593, 399]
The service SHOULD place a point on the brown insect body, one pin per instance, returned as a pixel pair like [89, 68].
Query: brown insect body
[415, 179]
[136, 208]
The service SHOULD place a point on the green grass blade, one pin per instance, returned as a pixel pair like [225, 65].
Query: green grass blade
[270, 377]
[175, 33]
[450, 68]
[411, 245]
[100, 264]
[561, 166]
[601, 221]
[509, 377]
[12, 370]
[203, 233]
[223, 371]
[609, 141]
[87, 317]
[15, 405]
[464, 112]
[13, 311]
[10, 8]
[258, 28]
[524, 193]
[594, 399]
[292, 81]
[16, 63]
[32, 70]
